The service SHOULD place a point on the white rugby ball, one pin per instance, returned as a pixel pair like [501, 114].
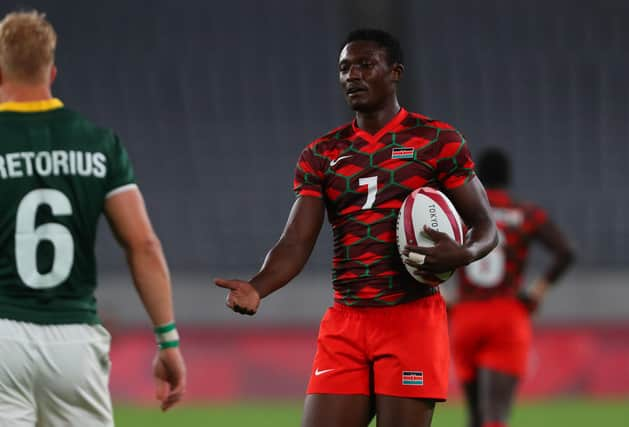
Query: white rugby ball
[427, 206]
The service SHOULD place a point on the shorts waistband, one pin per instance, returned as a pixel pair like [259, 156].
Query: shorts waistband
[31, 332]
[427, 297]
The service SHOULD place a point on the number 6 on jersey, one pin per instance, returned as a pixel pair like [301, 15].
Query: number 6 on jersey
[28, 237]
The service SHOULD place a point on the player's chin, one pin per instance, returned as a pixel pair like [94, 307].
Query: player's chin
[358, 104]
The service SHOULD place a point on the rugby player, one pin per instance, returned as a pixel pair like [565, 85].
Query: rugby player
[383, 345]
[490, 352]
[58, 173]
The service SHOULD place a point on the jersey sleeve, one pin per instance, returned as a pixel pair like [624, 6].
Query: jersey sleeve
[454, 164]
[308, 174]
[120, 175]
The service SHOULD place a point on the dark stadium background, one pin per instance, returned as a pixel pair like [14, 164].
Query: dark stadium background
[215, 100]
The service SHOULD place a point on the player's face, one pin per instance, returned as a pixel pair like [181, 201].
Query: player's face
[367, 79]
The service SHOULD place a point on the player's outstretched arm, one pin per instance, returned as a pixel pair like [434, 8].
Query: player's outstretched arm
[563, 256]
[130, 223]
[284, 261]
[470, 200]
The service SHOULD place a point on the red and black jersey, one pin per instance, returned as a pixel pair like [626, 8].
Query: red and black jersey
[363, 180]
[499, 274]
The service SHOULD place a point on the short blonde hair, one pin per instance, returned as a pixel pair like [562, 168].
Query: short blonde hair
[27, 46]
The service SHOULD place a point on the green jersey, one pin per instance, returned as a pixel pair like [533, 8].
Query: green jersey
[56, 170]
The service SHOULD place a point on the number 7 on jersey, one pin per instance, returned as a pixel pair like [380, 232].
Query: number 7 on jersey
[372, 188]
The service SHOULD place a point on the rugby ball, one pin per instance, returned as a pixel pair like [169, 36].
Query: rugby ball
[427, 206]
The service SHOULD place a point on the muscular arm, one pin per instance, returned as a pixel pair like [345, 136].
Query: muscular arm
[130, 224]
[284, 261]
[289, 255]
[471, 202]
[563, 255]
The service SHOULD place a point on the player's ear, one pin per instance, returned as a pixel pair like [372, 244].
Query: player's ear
[397, 72]
[53, 73]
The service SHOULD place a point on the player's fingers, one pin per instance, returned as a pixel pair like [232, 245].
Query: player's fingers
[178, 386]
[417, 258]
[239, 309]
[414, 264]
[244, 310]
[227, 284]
[427, 279]
[423, 250]
[433, 234]
[175, 395]
[161, 389]
[170, 401]
[411, 264]
[229, 301]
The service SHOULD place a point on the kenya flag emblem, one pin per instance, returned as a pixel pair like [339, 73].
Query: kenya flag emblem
[413, 378]
[402, 153]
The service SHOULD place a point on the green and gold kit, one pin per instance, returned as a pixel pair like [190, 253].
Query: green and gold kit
[56, 171]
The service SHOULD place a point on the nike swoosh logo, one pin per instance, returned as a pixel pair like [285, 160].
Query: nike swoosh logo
[338, 159]
[318, 372]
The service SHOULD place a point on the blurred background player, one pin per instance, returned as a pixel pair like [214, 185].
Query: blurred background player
[490, 326]
[371, 354]
[58, 173]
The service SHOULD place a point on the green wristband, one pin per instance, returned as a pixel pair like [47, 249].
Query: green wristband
[164, 328]
[168, 344]
[166, 336]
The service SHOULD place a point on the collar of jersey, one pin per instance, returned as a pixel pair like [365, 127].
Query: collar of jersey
[32, 106]
[389, 127]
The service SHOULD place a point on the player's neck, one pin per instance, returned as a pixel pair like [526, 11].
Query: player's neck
[372, 121]
[21, 92]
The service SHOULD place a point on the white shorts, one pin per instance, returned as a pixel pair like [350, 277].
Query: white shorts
[54, 375]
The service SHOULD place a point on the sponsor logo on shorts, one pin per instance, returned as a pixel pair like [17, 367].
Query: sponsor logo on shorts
[413, 378]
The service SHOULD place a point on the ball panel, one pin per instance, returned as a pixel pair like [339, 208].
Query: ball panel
[407, 215]
[427, 206]
[455, 230]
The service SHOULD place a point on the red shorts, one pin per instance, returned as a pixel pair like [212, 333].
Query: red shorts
[494, 334]
[396, 351]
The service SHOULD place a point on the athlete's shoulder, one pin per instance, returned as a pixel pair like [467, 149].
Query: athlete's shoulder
[530, 215]
[339, 133]
[532, 209]
[448, 140]
[525, 205]
[419, 120]
[81, 123]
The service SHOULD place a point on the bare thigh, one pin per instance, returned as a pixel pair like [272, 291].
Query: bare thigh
[337, 410]
[404, 411]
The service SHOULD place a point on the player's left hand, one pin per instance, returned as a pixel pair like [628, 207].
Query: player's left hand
[169, 372]
[528, 301]
[532, 298]
[445, 255]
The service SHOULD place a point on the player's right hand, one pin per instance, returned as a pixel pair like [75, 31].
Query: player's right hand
[243, 298]
[169, 371]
